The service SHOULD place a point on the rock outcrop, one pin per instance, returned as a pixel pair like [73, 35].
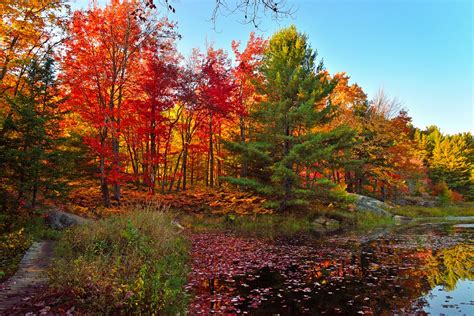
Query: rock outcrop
[401, 219]
[367, 204]
[417, 200]
[60, 220]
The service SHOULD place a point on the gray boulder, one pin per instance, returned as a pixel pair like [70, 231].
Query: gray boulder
[403, 202]
[367, 204]
[425, 201]
[401, 219]
[325, 222]
[62, 220]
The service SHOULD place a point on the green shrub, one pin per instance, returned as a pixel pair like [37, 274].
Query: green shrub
[340, 195]
[445, 196]
[39, 230]
[136, 263]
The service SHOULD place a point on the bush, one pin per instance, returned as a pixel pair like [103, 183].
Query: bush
[457, 197]
[445, 196]
[12, 247]
[135, 263]
[340, 195]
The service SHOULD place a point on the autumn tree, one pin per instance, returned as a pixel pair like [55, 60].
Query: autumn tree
[449, 159]
[29, 33]
[246, 79]
[348, 100]
[151, 126]
[101, 69]
[192, 116]
[27, 29]
[386, 155]
[215, 93]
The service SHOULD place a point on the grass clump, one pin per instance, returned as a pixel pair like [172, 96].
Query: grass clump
[37, 229]
[135, 263]
[369, 220]
[263, 224]
[459, 209]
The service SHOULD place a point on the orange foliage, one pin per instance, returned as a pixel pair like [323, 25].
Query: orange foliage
[85, 200]
[456, 196]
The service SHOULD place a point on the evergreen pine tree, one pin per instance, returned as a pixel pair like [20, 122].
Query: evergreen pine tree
[30, 159]
[287, 146]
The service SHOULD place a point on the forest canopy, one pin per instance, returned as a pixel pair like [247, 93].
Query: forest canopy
[104, 95]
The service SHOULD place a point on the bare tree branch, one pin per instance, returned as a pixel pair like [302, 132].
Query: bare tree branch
[252, 10]
[386, 106]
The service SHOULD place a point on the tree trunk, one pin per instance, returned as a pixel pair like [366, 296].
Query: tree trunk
[35, 192]
[103, 183]
[170, 188]
[286, 180]
[115, 149]
[184, 166]
[244, 164]
[165, 169]
[359, 183]
[133, 162]
[211, 155]
[308, 174]
[192, 170]
[219, 161]
[349, 182]
[152, 175]
[382, 192]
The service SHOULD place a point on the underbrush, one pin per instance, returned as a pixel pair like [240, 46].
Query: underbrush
[134, 263]
[285, 223]
[369, 220]
[459, 209]
[260, 224]
[12, 248]
[16, 236]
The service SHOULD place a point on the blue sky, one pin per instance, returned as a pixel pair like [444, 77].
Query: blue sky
[419, 51]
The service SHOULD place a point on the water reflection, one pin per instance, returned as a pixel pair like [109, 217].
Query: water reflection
[440, 301]
[415, 270]
[450, 265]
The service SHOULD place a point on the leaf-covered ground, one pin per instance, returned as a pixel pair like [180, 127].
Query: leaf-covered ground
[84, 200]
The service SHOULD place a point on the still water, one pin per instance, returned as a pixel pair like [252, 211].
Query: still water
[425, 269]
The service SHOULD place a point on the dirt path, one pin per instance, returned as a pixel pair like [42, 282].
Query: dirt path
[30, 277]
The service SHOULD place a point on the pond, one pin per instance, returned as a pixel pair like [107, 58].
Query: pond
[419, 269]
